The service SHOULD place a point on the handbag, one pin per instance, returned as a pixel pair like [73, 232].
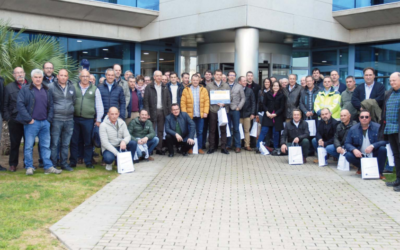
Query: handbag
[125, 162]
[322, 156]
[369, 168]
[222, 117]
[241, 131]
[343, 164]
[254, 129]
[312, 127]
[390, 155]
[295, 155]
[195, 147]
[263, 149]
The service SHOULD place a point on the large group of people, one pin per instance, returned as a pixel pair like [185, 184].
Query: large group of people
[170, 112]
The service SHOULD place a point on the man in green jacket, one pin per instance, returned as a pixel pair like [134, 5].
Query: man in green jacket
[141, 130]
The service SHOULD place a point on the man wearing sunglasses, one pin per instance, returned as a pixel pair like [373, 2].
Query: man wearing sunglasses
[362, 141]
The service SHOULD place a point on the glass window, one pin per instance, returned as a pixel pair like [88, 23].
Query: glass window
[210, 66]
[344, 57]
[351, 4]
[280, 71]
[324, 58]
[166, 62]
[343, 73]
[149, 63]
[144, 4]
[300, 58]
[188, 61]
[300, 74]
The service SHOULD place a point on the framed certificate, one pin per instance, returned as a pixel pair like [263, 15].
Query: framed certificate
[220, 96]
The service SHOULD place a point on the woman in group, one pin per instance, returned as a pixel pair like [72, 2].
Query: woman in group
[265, 87]
[140, 85]
[273, 118]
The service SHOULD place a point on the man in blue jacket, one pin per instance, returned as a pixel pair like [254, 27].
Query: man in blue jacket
[180, 130]
[362, 141]
[35, 111]
[175, 89]
[112, 94]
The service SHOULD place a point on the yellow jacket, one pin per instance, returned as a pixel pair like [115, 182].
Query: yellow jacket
[187, 102]
[331, 101]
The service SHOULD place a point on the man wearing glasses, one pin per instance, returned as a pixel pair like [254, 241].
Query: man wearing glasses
[362, 141]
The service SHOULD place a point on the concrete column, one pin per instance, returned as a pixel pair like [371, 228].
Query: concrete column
[246, 51]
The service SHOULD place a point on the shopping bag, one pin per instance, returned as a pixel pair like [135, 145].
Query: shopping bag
[195, 147]
[253, 131]
[263, 149]
[222, 117]
[343, 164]
[312, 127]
[322, 156]
[164, 134]
[295, 155]
[241, 131]
[390, 155]
[369, 168]
[124, 162]
[228, 131]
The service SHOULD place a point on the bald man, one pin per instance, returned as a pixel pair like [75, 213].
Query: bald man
[157, 101]
[342, 129]
[389, 129]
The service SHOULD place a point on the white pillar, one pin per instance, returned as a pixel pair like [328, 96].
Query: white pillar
[246, 51]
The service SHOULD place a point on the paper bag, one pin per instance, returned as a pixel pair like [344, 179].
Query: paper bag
[369, 168]
[124, 162]
[263, 149]
[228, 131]
[312, 127]
[241, 131]
[322, 156]
[195, 147]
[343, 164]
[295, 155]
[222, 117]
[390, 155]
[253, 131]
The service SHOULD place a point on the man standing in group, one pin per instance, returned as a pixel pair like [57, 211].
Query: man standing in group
[224, 78]
[196, 103]
[15, 128]
[307, 99]
[346, 98]
[207, 81]
[164, 80]
[124, 84]
[336, 84]
[237, 101]
[213, 116]
[128, 74]
[49, 76]
[168, 75]
[147, 80]
[88, 105]
[35, 111]
[185, 79]
[256, 88]
[157, 101]
[247, 112]
[303, 82]
[175, 88]
[292, 93]
[63, 123]
[112, 94]
[316, 74]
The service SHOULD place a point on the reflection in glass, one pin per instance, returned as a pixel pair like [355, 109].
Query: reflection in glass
[344, 57]
[148, 63]
[300, 58]
[324, 58]
[166, 62]
[343, 73]
[280, 70]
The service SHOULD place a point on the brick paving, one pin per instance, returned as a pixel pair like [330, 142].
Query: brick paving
[239, 201]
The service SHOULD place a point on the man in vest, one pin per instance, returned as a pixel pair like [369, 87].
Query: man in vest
[88, 105]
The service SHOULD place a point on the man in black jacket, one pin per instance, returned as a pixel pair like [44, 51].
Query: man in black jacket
[256, 88]
[16, 129]
[339, 139]
[247, 113]
[316, 74]
[368, 90]
[49, 76]
[1, 112]
[325, 131]
[292, 93]
[180, 130]
[296, 132]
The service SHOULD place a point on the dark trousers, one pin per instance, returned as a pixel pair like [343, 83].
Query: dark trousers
[16, 133]
[171, 141]
[253, 140]
[83, 127]
[380, 153]
[205, 130]
[213, 131]
[109, 157]
[394, 144]
[159, 125]
[61, 133]
[305, 145]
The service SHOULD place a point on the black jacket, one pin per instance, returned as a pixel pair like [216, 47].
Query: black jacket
[256, 88]
[326, 131]
[341, 133]
[186, 124]
[150, 101]
[291, 131]
[304, 99]
[292, 99]
[46, 81]
[2, 95]
[10, 101]
[377, 93]
[381, 134]
[249, 107]
[272, 104]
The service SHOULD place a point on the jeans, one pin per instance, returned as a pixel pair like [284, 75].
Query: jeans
[234, 118]
[16, 130]
[171, 141]
[61, 132]
[151, 144]
[331, 149]
[305, 145]
[264, 132]
[82, 127]
[380, 153]
[109, 157]
[42, 130]
[199, 130]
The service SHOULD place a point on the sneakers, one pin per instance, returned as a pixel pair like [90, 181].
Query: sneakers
[29, 171]
[395, 183]
[52, 170]
[109, 167]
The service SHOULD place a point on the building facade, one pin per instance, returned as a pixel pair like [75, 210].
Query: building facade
[270, 37]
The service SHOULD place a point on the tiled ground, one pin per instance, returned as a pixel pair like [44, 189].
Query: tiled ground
[243, 201]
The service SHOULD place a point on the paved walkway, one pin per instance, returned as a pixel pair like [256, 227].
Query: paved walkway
[239, 201]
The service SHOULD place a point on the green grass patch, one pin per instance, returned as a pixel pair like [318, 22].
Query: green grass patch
[391, 177]
[29, 205]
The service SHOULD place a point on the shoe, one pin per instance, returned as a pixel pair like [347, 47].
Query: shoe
[358, 171]
[224, 151]
[387, 171]
[95, 154]
[160, 152]
[2, 169]
[304, 160]
[52, 170]
[269, 149]
[237, 150]
[228, 148]
[315, 161]
[143, 154]
[80, 160]
[396, 189]
[201, 152]
[248, 149]
[90, 166]
[136, 161]
[190, 151]
[13, 169]
[171, 155]
[67, 168]
[94, 161]
[258, 151]
[210, 151]
[29, 171]
[185, 154]
[395, 183]
[150, 158]
[382, 177]
[204, 147]
[109, 167]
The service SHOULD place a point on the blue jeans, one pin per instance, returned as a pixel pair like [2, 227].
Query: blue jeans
[234, 118]
[331, 149]
[82, 127]
[42, 130]
[109, 157]
[380, 153]
[151, 144]
[199, 130]
[61, 133]
[264, 132]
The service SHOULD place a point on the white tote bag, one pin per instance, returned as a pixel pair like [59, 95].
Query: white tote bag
[222, 117]
[343, 164]
[125, 163]
[241, 131]
[195, 147]
[312, 127]
[228, 132]
[369, 168]
[295, 155]
[263, 149]
[390, 155]
[322, 156]
[253, 131]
